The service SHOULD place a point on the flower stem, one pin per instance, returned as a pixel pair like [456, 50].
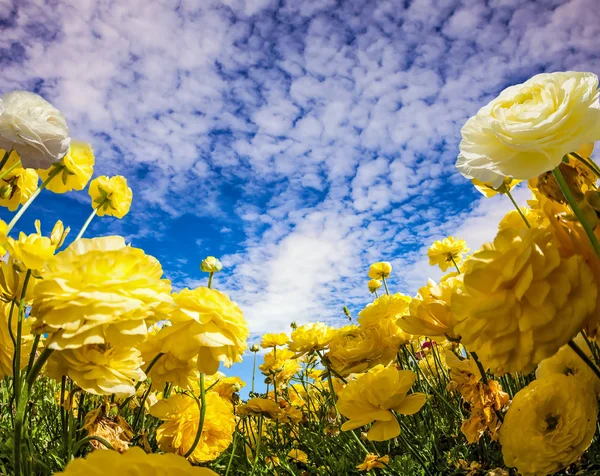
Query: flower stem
[509, 195]
[202, 404]
[385, 285]
[455, 265]
[86, 224]
[5, 158]
[4, 173]
[576, 210]
[87, 439]
[253, 371]
[26, 205]
[210, 279]
[584, 357]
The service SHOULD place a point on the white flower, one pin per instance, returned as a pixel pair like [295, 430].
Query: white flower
[528, 129]
[34, 128]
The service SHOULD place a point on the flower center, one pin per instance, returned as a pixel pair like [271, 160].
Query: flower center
[552, 422]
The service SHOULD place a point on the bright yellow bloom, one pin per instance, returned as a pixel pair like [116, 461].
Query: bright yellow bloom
[181, 417]
[12, 278]
[209, 325]
[549, 425]
[514, 220]
[76, 169]
[567, 362]
[169, 368]
[487, 189]
[7, 348]
[224, 386]
[100, 290]
[110, 196]
[445, 253]
[31, 250]
[210, 264]
[430, 312]
[374, 285]
[274, 340]
[280, 366]
[298, 455]
[134, 462]
[258, 406]
[371, 397]
[17, 185]
[373, 461]
[99, 369]
[380, 270]
[520, 301]
[384, 307]
[311, 337]
[528, 128]
[3, 230]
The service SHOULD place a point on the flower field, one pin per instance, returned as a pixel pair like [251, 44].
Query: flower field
[492, 370]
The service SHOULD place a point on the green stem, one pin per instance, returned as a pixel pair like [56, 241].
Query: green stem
[576, 210]
[86, 224]
[385, 285]
[5, 158]
[10, 169]
[36, 342]
[26, 205]
[253, 372]
[454, 263]
[17, 354]
[232, 453]
[509, 195]
[202, 405]
[87, 439]
[590, 165]
[584, 357]
[210, 279]
[142, 410]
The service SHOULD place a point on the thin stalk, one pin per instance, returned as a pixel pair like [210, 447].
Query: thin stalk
[27, 204]
[202, 404]
[385, 285]
[17, 354]
[86, 224]
[10, 169]
[36, 342]
[584, 357]
[142, 409]
[87, 439]
[253, 372]
[454, 263]
[509, 195]
[232, 453]
[576, 210]
[5, 158]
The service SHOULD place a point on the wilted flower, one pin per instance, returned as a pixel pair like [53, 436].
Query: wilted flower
[371, 397]
[110, 196]
[134, 462]
[181, 417]
[76, 169]
[549, 425]
[530, 127]
[34, 128]
[18, 185]
[380, 270]
[100, 290]
[447, 252]
[114, 430]
[210, 264]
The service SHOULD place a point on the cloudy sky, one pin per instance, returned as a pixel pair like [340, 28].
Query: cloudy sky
[297, 140]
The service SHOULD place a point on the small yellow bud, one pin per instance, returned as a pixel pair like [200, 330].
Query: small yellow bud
[374, 285]
[6, 191]
[211, 265]
[59, 233]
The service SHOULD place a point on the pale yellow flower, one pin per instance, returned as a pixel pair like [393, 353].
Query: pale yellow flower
[374, 285]
[210, 264]
[447, 252]
[33, 250]
[488, 189]
[110, 196]
[76, 169]
[7, 348]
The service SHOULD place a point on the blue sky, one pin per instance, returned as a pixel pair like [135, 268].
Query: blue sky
[297, 140]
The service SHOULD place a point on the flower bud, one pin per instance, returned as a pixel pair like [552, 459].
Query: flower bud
[293, 325]
[253, 348]
[59, 233]
[6, 191]
[374, 285]
[211, 265]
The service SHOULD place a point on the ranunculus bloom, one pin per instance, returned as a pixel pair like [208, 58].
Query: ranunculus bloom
[384, 307]
[100, 290]
[549, 425]
[520, 301]
[206, 324]
[99, 369]
[259, 406]
[110, 196]
[447, 252]
[31, 250]
[530, 127]
[274, 340]
[134, 462]
[34, 128]
[219, 383]
[17, 186]
[280, 366]
[373, 461]
[76, 168]
[310, 337]
[181, 418]
[371, 397]
[374, 285]
[380, 270]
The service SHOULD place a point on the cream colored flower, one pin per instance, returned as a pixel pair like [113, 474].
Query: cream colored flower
[34, 128]
[210, 264]
[530, 127]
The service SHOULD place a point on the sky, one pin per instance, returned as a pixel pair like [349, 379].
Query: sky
[296, 140]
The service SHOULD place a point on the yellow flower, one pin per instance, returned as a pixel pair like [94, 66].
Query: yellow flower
[12, 278]
[3, 237]
[487, 189]
[7, 348]
[374, 285]
[31, 250]
[380, 270]
[373, 461]
[280, 366]
[169, 368]
[17, 186]
[209, 325]
[58, 234]
[311, 337]
[99, 369]
[567, 362]
[224, 386]
[445, 253]
[134, 462]
[97, 290]
[430, 312]
[514, 220]
[210, 264]
[530, 127]
[549, 425]
[371, 397]
[384, 307]
[298, 456]
[181, 417]
[110, 196]
[274, 340]
[520, 301]
[76, 169]
[258, 406]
